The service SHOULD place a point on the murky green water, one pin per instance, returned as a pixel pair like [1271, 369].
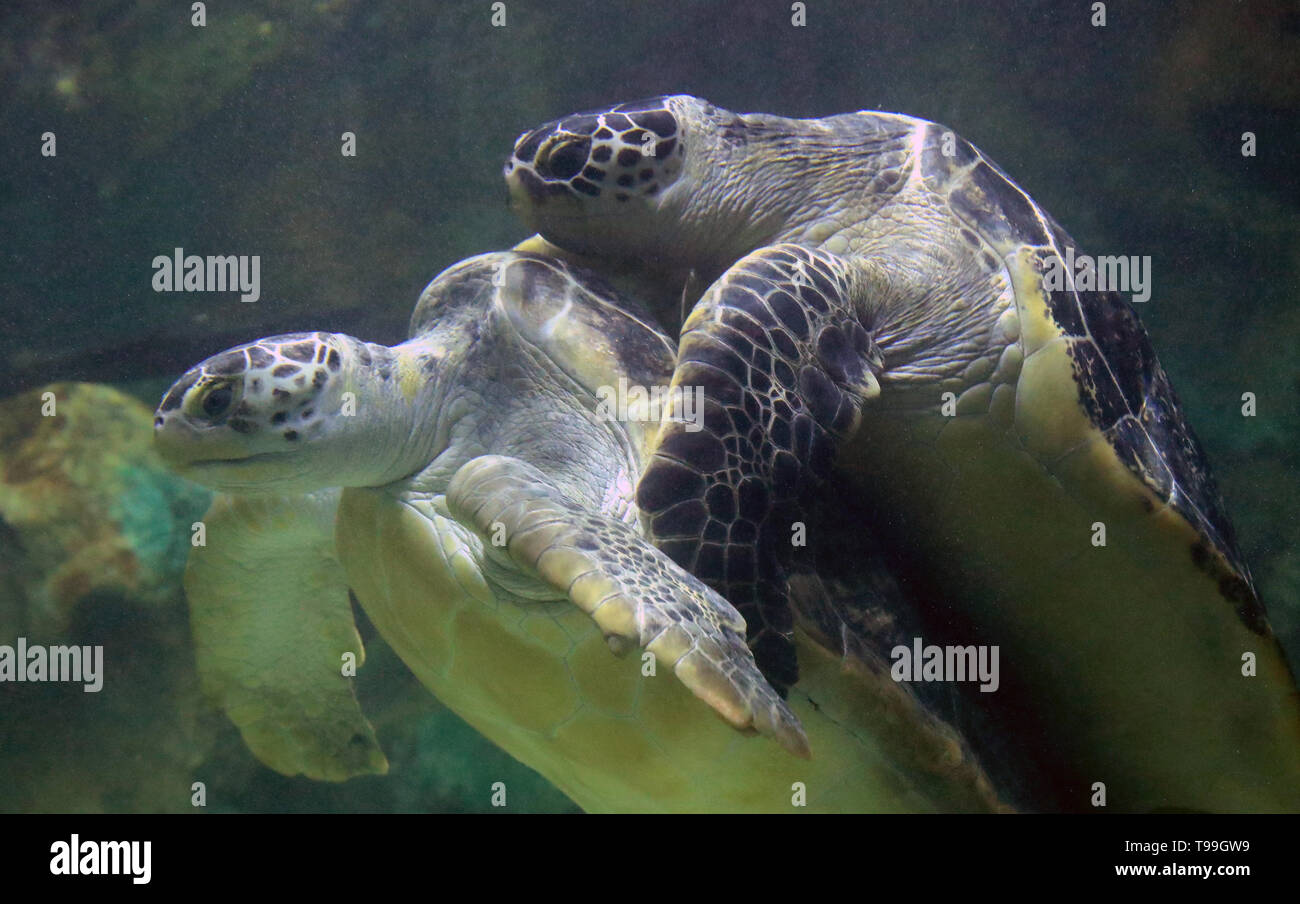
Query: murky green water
[225, 139]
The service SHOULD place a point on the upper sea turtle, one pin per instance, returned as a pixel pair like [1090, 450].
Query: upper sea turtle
[486, 525]
[884, 300]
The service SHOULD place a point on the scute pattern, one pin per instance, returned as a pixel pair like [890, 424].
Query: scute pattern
[634, 592]
[1062, 414]
[1122, 386]
[1121, 380]
[784, 366]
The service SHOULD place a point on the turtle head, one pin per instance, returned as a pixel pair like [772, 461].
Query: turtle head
[672, 177]
[261, 415]
[614, 166]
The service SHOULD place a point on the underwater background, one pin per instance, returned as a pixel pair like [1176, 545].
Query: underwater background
[225, 139]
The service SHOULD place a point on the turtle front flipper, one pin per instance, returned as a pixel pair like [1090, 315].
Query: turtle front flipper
[775, 363]
[634, 593]
[272, 623]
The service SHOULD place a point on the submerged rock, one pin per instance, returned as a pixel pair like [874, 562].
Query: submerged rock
[86, 508]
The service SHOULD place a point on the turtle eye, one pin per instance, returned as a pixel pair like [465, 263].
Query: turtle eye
[217, 401]
[212, 401]
[564, 159]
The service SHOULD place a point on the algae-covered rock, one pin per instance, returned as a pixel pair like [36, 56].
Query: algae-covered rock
[86, 507]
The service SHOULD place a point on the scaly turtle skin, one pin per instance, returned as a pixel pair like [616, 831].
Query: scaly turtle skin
[486, 524]
[858, 276]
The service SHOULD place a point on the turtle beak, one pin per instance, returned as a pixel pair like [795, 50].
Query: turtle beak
[170, 431]
[184, 440]
[182, 446]
[527, 189]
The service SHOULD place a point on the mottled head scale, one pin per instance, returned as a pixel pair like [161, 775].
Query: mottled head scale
[619, 166]
[271, 385]
[255, 401]
[631, 150]
[673, 167]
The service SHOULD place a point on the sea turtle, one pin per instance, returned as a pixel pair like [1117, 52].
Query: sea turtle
[486, 525]
[883, 298]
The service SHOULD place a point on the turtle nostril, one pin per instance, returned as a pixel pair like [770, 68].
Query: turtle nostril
[564, 160]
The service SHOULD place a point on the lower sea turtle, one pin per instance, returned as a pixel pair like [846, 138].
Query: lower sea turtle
[883, 298]
[486, 524]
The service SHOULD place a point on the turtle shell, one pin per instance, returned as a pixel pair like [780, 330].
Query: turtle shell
[1122, 387]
